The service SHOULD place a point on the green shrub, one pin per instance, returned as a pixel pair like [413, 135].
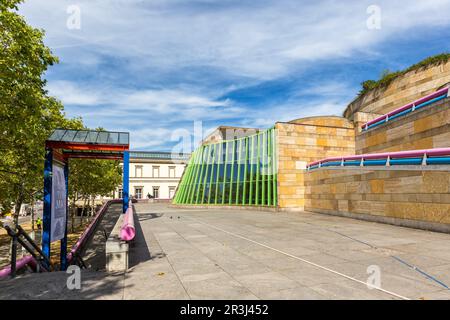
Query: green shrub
[387, 76]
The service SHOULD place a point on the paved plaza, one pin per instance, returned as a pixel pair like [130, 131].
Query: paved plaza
[249, 254]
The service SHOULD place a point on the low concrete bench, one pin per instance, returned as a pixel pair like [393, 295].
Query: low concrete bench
[117, 245]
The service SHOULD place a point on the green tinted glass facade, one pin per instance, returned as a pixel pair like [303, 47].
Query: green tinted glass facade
[234, 172]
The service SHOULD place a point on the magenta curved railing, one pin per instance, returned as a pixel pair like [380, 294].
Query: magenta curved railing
[21, 263]
[128, 231]
[438, 95]
[87, 233]
[29, 260]
[426, 156]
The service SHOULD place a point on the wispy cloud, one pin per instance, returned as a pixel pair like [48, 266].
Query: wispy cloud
[156, 65]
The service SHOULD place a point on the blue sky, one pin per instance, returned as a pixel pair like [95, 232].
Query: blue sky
[155, 67]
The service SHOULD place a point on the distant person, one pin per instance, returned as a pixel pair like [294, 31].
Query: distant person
[39, 223]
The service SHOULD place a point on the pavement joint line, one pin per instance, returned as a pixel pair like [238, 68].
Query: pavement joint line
[257, 261]
[403, 262]
[214, 261]
[171, 266]
[303, 260]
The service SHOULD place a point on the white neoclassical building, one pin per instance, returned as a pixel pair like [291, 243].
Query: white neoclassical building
[155, 174]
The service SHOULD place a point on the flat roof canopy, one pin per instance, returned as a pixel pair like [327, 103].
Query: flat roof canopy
[91, 144]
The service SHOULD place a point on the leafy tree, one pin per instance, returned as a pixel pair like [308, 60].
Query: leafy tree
[27, 114]
[91, 178]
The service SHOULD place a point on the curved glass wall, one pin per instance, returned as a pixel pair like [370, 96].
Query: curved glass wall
[233, 172]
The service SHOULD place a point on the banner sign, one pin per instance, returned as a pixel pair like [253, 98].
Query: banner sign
[58, 208]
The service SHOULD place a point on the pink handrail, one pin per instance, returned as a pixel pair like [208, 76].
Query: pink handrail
[396, 155]
[128, 231]
[89, 229]
[6, 271]
[31, 261]
[409, 105]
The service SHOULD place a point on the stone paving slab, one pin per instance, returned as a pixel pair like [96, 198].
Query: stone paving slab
[245, 254]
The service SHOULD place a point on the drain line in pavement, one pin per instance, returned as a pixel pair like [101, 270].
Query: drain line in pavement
[405, 263]
[303, 260]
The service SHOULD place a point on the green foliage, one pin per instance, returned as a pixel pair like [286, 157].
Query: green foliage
[93, 177]
[387, 76]
[28, 116]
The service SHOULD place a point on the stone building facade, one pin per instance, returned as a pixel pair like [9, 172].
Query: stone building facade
[411, 195]
[154, 174]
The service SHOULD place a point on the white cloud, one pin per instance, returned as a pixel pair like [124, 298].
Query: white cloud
[69, 93]
[185, 49]
[260, 40]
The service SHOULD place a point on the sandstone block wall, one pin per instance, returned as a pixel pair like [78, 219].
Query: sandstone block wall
[423, 129]
[414, 197]
[302, 141]
[405, 89]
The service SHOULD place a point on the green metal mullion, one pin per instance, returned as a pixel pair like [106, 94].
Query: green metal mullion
[202, 171]
[212, 171]
[191, 175]
[239, 170]
[274, 168]
[244, 193]
[257, 172]
[264, 162]
[187, 185]
[269, 168]
[252, 158]
[188, 179]
[232, 171]
[219, 162]
[195, 177]
[225, 172]
[206, 173]
[181, 188]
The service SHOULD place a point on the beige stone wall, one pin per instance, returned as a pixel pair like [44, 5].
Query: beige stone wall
[302, 141]
[423, 129]
[229, 133]
[405, 89]
[412, 194]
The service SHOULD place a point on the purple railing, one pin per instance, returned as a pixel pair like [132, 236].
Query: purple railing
[440, 94]
[21, 263]
[87, 233]
[427, 156]
[29, 260]
[128, 231]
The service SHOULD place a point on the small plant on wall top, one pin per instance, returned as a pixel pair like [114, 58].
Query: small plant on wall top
[388, 76]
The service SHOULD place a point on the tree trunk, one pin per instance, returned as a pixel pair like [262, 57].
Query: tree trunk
[17, 205]
[32, 215]
[82, 211]
[73, 212]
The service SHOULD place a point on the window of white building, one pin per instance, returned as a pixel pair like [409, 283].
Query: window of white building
[120, 193]
[156, 192]
[138, 171]
[155, 171]
[171, 172]
[138, 192]
[171, 192]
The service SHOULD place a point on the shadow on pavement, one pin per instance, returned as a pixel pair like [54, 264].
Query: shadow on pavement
[139, 250]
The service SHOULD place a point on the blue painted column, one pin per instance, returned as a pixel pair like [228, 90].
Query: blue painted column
[126, 180]
[47, 214]
[64, 240]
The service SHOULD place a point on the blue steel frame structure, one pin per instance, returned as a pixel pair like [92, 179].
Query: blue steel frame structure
[65, 144]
